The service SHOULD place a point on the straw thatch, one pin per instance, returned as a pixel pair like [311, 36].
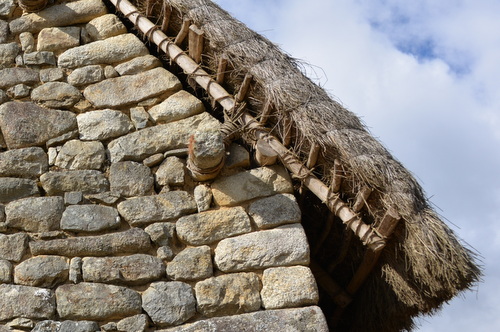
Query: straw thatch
[424, 264]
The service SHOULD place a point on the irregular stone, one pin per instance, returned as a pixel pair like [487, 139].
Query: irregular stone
[47, 326]
[77, 154]
[106, 198]
[274, 211]
[57, 141]
[178, 106]
[162, 233]
[7, 8]
[14, 188]
[138, 65]
[128, 270]
[42, 271]
[96, 301]
[8, 53]
[191, 264]
[86, 181]
[19, 91]
[139, 117]
[301, 319]
[23, 323]
[115, 49]
[238, 156]
[39, 58]
[103, 124]
[230, 294]
[28, 162]
[52, 155]
[70, 13]
[73, 197]
[4, 31]
[58, 39]
[171, 172]
[109, 327]
[75, 270]
[165, 253]
[38, 214]
[105, 26]
[25, 124]
[25, 301]
[169, 303]
[51, 74]
[2, 213]
[137, 323]
[82, 106]
[282, 246]
[134, 240]
[66, 326]
[27, 42]
[129, 178]
[211, 226]
[203, 197]
[129, 89]
[86, 75]
[154, 160]
[287, 287]
[244, 186]
[148, 209]
[110, 72]
[56, 95]
[3, 99]
[89, 218]
[16, 75]
[146, 142]
[5, 272]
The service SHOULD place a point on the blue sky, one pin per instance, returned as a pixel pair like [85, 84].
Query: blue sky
[425, 78]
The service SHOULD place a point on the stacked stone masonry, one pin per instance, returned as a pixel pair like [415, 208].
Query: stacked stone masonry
[102, 228]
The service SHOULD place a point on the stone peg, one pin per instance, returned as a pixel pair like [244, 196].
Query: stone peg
[32, 5]
[206, 155]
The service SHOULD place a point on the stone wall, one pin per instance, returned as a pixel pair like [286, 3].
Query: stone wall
[102, 227]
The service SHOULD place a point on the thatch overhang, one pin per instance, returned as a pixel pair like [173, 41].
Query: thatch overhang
[420, 266]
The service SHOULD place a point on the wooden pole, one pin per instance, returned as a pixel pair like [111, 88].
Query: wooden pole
[361, 198]
[338, 175]
[313, 155]
[183, 32]
[167, 11]
[264, 154]
[196, 38]
[221, 70]
[244, 88]
[266, 112]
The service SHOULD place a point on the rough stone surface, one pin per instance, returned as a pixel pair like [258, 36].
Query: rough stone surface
[19, 91]
[89, 218]
[27, 302]
[56, 95]
[39, 58]
[282, 246]
[3, 99]
[229, 294]
[25, 124]
[211, 226]
[138, 65]
[75, 270]
[42, 271]
[258, 182]
[309, 319]
[16, 75]
[125, 90]
[103, 124]
[137, 323]
[57, 141]
[86, 75]
[115, 49]
[22, 323]
[171, 172]
[58, 39]
[169, 303]
[203, 197]
[191, 264]
[148, 209]
[129, 270]
[14, 188]
[77, 154]
[154, 160]
[65, 14]
[51, 75]
[129, 178]
[274, 211]
[94, 301]
[8, 53]
[149, 141]
[7, 8]
[134, 240]
[27, 42]
[4, 31]
[66, 326]
[139, 117]
[286, 287]
[106, 198]
[86, 181]
[37, 214]
[73, 197]
[207, 149]
[238, 156]
[28, 162]
[5, 271]
[178, 106]
[105, 26]
[162, 233]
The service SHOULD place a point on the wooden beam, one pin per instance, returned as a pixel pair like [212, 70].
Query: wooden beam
[264, 154]
[266, 112]
[325, 281]
[167, 11]
[287, 134]
[183, 32]
[196, 39]
[388, 223]
[361, 198]
[244, 88]
[221, 70]
[338, 175]
[313, 155]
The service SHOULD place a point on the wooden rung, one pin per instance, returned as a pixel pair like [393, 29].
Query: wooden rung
[266, 112]
[361, 198]
[388, 223]
[338, 175]
[313, 155]
[221, 70]
[167, 11]
[287, 127]
[264, 154]
[183, 32]
[334, 291]
[244, 88]
[196, 38]
[149, 7]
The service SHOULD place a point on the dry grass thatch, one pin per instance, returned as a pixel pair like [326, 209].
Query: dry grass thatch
[424, 265]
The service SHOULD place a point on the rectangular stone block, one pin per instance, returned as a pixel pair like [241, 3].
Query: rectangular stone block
[25, 301]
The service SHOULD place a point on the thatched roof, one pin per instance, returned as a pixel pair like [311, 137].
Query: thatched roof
[424, 264]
